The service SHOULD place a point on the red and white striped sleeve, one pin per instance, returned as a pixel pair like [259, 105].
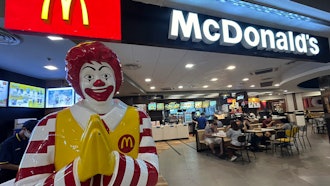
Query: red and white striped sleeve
[144, 169]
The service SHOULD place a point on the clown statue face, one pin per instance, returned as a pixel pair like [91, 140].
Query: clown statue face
[95, 76]
[97, 83]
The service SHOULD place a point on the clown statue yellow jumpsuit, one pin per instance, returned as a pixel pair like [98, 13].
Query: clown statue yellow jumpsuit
[97, 141]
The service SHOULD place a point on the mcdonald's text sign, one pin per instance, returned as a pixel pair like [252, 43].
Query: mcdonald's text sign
[82, 18]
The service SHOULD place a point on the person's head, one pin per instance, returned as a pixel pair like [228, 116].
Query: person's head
[214, 124]
[203, 114]
[233, 125]
[28, 127]
[94, 71]
[269, 118]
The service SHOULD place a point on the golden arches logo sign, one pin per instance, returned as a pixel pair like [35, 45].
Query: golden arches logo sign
[66, 8]
[126, 143]
[82, 18]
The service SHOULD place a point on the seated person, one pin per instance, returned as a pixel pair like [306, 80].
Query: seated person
[211, 140]
[243, 126]
[286, 125]
[219, 123]
[268, 122]
[233, 132]
[246, 124]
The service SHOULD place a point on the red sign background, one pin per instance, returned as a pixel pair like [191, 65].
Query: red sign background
[104, 18]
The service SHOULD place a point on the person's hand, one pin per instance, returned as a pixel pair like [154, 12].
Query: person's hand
[96, 156]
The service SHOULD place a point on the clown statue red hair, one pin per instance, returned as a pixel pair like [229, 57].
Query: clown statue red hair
[97, 141]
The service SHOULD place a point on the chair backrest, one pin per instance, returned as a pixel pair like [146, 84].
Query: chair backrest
[292, 132]
[200, 134]
[280, 134]
[242, 140]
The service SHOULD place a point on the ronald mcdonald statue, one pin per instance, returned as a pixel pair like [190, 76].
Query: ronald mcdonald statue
[97, 141]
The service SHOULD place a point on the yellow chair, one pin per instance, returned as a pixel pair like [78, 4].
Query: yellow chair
[287, 138]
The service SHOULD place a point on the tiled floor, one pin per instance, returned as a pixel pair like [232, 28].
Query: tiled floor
[181, 164]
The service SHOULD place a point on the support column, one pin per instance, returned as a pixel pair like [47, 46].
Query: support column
[299, 102]
[289, 103]
[290, 107]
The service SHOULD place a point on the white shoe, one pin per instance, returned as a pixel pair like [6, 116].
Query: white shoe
[233, 158]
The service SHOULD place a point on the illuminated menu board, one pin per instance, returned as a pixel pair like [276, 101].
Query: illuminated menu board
[160, 106]
[187, 105]
[172, 105]
[213, 103]
[206, 104]
[21, 95]
[198, 104]
[59, 97]
[3, 93]
[152, 106]
[254, 102]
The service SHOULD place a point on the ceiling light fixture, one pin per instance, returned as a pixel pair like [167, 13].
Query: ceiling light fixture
[180, 86]
[245, 79]
[267, 10]
[152, 88]
[214, 79]
[205, 86]
[229, 86]
[252, 86]
[55, 38]
[231, 67]
[277, 85]
[50, 67]
[147, 80]
[189, 65]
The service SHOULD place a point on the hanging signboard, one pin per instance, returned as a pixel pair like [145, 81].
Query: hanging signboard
[83, 18]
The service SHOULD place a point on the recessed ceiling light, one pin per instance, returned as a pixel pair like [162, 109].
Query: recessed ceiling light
[152, 88]
[252, 85]
[245, 79]
[117, 92]
[189, 65]
[229, 86]
[285, 90]
[277, 85]
[205, 86]
[214, 79]
[231, 67]
[147, 80]
[180, 86]
[50, 67]
[55, 38]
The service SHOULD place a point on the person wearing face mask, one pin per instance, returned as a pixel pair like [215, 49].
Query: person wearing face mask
[97, 141]
[12, 150]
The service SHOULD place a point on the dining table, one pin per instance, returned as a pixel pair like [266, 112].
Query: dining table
[223, 135]
[260, 130]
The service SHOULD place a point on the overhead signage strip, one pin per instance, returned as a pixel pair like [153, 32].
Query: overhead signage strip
[228, 33]
[132, 22]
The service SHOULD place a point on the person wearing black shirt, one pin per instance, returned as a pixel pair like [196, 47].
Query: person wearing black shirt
[12, 150]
